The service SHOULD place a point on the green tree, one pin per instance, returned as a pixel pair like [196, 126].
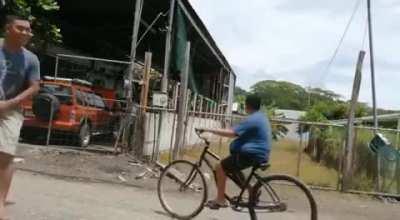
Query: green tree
[240, 92]
[40, 13]
[281, 94]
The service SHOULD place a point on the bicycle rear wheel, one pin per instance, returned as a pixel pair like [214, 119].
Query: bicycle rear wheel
[282, 197]
[182, 189]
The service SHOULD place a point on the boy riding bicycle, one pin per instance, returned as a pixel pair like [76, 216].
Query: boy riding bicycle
[251, 147]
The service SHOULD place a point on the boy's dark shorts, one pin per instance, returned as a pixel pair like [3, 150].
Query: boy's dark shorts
[237, 162]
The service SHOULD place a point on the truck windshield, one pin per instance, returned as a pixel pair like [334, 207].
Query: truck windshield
[63, 93]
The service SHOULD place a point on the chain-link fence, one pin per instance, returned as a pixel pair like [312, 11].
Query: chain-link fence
[314, 152]
[69, 112]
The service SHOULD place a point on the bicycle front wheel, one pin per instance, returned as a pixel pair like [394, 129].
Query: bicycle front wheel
[182, 189]
[282, 197]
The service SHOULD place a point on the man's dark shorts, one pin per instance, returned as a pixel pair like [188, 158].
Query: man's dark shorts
[237, 162]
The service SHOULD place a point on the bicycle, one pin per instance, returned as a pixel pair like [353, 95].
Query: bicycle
[190, 183]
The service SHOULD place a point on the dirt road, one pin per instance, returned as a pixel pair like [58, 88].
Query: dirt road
[43, 197]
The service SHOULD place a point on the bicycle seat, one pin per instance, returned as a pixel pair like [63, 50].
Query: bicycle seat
[263, 166]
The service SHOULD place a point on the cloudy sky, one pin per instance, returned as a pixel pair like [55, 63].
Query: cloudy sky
[293, 40]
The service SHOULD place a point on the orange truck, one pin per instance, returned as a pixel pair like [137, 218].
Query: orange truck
[72, 107]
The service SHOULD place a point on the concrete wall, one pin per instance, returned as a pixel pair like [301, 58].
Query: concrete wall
[167, 132]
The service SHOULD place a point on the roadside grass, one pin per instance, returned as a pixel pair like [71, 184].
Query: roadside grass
[284, 157]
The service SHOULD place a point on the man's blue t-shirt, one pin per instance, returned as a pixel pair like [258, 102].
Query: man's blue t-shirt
[254, 137]
[16, 70]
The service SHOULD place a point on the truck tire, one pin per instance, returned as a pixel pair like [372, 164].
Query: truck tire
[44, 105]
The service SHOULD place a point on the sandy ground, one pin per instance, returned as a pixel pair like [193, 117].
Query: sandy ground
[56, 183]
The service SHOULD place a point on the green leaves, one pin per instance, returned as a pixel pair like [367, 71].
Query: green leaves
[48, 5]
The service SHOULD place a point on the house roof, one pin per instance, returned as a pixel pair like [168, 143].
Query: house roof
[106, 31]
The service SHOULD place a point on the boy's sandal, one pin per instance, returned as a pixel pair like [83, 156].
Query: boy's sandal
[212, 204]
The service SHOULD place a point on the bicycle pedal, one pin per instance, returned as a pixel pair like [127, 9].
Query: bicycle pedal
[281, 207]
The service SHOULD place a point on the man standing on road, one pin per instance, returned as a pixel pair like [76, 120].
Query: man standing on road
[19, 80]
[250, 148]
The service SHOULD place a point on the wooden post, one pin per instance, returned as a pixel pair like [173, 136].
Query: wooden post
[348, 171]
[146, 81]
[140, 126]
[182, 104]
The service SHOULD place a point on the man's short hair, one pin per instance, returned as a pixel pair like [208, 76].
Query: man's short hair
[253, 101]
[11, 18]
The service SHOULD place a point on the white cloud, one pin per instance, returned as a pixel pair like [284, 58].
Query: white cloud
[293, 40]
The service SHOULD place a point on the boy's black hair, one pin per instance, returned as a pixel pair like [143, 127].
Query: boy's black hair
[253, 101]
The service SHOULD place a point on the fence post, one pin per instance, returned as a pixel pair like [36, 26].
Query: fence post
[300, 152]
[201, 105]
[187, 118]
[50, 126]
[56, 68]
[398, 159]
[182, 104]
[348, 168]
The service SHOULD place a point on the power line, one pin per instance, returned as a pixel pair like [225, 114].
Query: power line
[356, 7]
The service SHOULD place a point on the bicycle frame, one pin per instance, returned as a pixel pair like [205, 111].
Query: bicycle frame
[236, 179]
[263, 186]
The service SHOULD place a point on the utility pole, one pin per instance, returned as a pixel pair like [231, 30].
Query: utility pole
[348, 156]
[168, 43]
[371, 49]
[135, 32]
[129, 83]
[374, 107]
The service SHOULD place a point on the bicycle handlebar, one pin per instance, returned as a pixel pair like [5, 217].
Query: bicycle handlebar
[200, 131]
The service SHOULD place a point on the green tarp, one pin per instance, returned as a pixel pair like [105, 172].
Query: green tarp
[179, 40]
